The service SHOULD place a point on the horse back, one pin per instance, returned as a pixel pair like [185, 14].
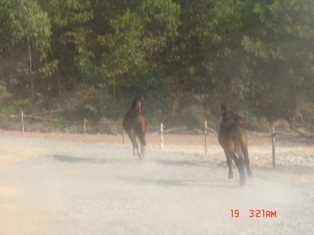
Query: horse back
[127, 121]
[134, 120]
[139, 122]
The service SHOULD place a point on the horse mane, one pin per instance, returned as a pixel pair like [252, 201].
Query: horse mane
[227, 113]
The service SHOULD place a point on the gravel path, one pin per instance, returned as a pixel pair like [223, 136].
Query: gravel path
[67, 188]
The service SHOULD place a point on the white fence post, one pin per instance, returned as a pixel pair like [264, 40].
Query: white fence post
[161, 136]
[273, 138]
[205, 136]
[85, 126]
[123, 135]
[23, 122]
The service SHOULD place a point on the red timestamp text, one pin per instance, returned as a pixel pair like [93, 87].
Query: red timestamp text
[258, 213]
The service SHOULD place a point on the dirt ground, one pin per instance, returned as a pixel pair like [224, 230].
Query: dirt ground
[19, 216]
[260, 149]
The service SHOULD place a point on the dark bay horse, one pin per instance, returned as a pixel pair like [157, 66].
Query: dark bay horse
[233, 139]
[134, 124]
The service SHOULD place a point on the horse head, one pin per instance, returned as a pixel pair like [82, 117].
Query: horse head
[224, 109]
[136, 104]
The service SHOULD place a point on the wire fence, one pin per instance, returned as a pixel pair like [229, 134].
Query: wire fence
[274, 147]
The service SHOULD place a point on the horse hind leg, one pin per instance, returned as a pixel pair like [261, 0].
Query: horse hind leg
[143, 150]
[240, 165]
[135, 147]
[134, 144]
[247, 161]
[229, 164]
[143, 143]
[141, 136]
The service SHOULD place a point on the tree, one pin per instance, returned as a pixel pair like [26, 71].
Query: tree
[280, 43]
[31, 24]
[137, 47]
[5, 26]
[183, 56]
[72, 38]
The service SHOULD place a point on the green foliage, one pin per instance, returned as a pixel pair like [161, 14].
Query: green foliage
[125, 46]
[27, 105]
[3, 90]
[191, 112]
[183, 57]
[69, 12]
[283, 45]
[160, 19]
[30, 23]
[49, 68]
[5, 25]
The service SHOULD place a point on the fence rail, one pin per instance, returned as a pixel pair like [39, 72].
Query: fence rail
[271, 139]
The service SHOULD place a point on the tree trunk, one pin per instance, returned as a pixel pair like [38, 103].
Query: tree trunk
[58, 75]
[30, 68]
[114, 91]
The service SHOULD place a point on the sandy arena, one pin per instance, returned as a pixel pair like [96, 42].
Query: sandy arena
[68, 184]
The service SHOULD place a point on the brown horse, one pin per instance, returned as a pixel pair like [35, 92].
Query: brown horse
[134, 124]
[233, 139]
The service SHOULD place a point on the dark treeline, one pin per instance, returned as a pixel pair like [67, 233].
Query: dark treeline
[183, 57]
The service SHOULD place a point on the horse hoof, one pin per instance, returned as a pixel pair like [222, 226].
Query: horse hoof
[242, 181]
[140, 156]
[230, 176]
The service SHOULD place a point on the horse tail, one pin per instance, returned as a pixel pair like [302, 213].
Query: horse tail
[234, 132]
[139, 125]
[142, 129]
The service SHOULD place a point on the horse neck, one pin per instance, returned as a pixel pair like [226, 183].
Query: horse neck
[227, 115]
[230, 115]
